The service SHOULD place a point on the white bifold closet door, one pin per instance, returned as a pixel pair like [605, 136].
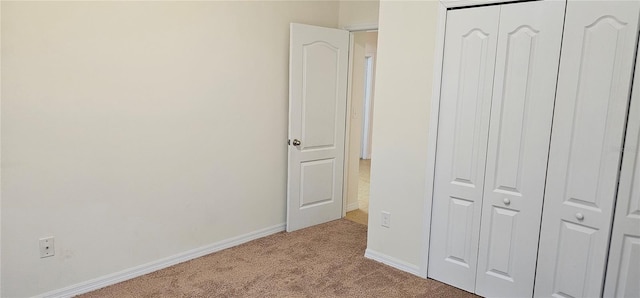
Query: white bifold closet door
[623, 271]
[493, 138]
[594, 84]
[524, 89]
[465, 103]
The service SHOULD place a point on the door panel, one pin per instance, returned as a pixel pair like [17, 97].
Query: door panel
[467, 79]
[317, 107]
[317, 179]
[459, 231]
[500, 248]
[623, 271]
[596, 65]
[527, 60]
[321, 62]
[574, 245]
[467, 144]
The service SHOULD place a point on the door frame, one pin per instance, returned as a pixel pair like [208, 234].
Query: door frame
[367, 106]
[443, 7]
[347, 136]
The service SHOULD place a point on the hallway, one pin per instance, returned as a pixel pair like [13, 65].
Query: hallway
[361, 215]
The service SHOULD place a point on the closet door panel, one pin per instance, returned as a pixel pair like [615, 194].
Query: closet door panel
[596, 65]
[527, 60]
[623, 271]
[462, 139]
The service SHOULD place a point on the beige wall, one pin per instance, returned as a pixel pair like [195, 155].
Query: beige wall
[134, 131]
[357, 13]
[406, 44]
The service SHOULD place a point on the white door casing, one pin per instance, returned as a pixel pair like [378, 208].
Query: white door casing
[467, 80]
[528, 54]
[367, 109]
[318, 68]
[594, 82]
[623, 271]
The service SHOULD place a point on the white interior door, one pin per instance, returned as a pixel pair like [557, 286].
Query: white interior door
[318, 61]
[467, 80]
[623, 271]
[528, 54]
[594, 84]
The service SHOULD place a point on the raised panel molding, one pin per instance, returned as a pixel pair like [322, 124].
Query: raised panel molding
[469, 107]
[628, 285]
[612, 21]
[601, 50]
[459, 231]
[319, 115]
[503, 227]
[515, 96]
[317, 183]
[574, 244]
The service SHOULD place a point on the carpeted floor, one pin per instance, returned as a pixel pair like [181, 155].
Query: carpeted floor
[322, 261]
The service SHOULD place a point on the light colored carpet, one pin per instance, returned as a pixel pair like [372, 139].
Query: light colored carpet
[361, 215]
[322, 261]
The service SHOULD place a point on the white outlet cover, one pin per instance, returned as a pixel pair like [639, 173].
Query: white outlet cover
[386, 219]
[47, 247]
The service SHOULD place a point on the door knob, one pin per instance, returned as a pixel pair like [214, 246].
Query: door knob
[296, 142]
[506, 201]
[579, 216]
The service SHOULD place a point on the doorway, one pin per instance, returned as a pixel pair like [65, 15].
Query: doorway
[360, 128]
[327, 87]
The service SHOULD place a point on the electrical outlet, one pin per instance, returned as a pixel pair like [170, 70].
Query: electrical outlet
[47, 248]
[386, 219]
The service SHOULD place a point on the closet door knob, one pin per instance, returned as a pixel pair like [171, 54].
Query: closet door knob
[296, 142]
[579, 216]
[506, 201]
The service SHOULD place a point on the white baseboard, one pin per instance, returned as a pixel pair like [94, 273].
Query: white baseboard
[130, 273]
[352, 206]
[393, 262]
